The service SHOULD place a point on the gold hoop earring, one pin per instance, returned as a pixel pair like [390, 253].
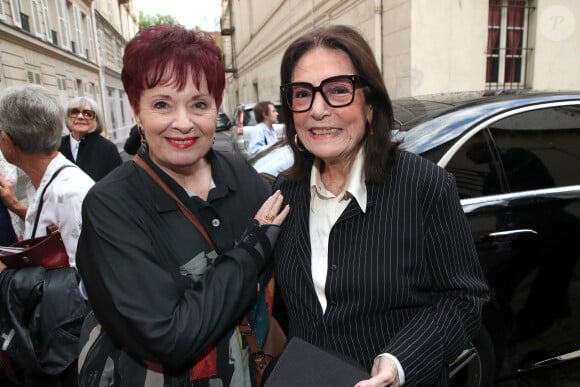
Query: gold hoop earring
[296, 143]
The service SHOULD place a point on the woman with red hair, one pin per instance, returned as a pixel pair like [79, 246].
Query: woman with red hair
[167, 299]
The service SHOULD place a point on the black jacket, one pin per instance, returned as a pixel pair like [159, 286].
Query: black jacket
[41, 313]
[97, 156]
[403, 277]
[140, 259]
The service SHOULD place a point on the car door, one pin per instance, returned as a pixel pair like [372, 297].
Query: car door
[539, 287]
[518, 178]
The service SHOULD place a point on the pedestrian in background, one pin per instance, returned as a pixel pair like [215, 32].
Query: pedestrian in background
[134, 141]
[31, 124]
[263, 135]
[10, 223]
[376, 260]
[85, 146]
[166, 303]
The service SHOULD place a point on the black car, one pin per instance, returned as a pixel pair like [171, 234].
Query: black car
[516, 161]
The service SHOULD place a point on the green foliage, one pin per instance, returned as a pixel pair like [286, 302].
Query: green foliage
[148, 20]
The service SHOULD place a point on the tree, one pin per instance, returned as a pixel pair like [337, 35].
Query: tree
[148, 20]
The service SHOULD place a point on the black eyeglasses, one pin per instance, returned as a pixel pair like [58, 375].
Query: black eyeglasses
[337, 91]
[87, 114]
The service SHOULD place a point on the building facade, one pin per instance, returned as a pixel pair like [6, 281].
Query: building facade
[422, 46]
[71, 47]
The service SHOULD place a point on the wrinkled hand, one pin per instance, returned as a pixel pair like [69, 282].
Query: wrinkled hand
[384, 373]
[270, 212]
[7, 194]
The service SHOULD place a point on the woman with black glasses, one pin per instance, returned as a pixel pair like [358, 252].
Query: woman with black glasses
[85, 146]
[375, 260]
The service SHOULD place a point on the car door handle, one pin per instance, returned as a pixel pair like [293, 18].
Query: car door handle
[522, 231]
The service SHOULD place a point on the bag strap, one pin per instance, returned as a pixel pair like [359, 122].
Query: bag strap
[41, 201]
[188, 214]
[245, 327]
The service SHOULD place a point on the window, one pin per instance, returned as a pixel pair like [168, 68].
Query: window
[63, 24]
[90, 44]
[37, 18]
[16, 12]
[33, 77]
[541, 148]
[61, 82]
[475, 168]
[507, 44]
[48, 21]
[2, 11]
[77, 87]
[79, 33]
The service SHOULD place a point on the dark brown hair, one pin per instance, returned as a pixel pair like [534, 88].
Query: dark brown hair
[379, 150]
[167, 52]
[261, 109]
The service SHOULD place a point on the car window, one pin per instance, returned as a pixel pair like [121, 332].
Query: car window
[475, 168]
[540, 149]
[249, 118]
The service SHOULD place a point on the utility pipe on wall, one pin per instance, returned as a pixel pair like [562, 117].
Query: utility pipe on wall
[379, 33]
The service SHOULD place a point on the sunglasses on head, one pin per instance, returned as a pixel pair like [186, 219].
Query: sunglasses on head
[88, 114]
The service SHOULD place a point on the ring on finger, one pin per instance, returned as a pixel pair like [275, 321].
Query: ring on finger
[269, 216]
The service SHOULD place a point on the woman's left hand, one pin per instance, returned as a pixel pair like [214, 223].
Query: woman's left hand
[384, 373]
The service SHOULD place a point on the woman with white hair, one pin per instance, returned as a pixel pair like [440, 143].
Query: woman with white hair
[85, 146]
[41, 311]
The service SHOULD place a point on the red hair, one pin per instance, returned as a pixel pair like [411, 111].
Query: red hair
[165, 52]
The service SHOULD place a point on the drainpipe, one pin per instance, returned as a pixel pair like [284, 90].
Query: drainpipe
[379, 33]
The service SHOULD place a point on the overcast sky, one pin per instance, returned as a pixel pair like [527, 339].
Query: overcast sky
[203, 13]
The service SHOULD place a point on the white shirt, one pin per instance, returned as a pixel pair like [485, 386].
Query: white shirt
[325, 209]
[62, 203]
[74, 146]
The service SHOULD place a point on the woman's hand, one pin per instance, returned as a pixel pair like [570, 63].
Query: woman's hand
[384, 373]
[270, 212]
[8, 197]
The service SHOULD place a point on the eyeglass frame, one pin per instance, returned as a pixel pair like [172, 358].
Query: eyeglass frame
[86, 113]
[357, 83]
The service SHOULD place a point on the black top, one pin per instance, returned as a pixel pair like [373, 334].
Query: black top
[152, 280]
[97, 156]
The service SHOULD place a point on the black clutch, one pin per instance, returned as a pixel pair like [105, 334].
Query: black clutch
[302, 364]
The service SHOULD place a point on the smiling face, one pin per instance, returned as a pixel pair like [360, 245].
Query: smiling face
[331, 134]
[178, 125]
[79, 124]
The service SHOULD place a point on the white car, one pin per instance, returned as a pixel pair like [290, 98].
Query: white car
[243, 124]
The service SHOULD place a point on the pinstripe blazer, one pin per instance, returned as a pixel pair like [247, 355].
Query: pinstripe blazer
[403, 277]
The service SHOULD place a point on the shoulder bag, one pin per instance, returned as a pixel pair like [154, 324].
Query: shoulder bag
[275, 339]
[48, 251]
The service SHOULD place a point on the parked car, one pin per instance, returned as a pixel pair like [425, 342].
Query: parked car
[516, 162]
[243, 123]
[223, 136]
